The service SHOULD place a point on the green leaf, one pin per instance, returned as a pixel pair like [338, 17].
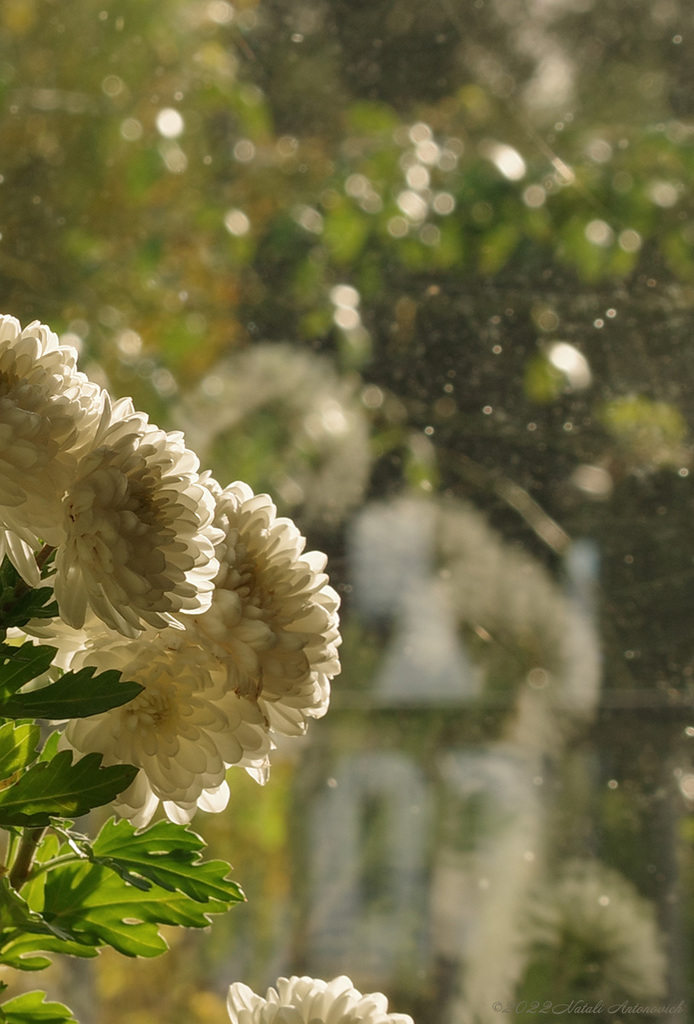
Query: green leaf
[95, 906]
[74, 695]
[30, 1007]
[35, 604]
[24, 932]
[19, 602]
[22, 664]
[25, 936]
[26, 951]
[58, 787]
[14, 912]
[167, 855]
[17, 747]
[50, 747]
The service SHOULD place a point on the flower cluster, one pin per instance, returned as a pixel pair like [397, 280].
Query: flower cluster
[201, 594]
[310, 1001]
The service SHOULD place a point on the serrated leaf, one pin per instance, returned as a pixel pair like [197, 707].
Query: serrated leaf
[9, 577]
[32, 1007]
[58, 787]
[19, 602]
[14, 911]
[25, 932]
[33, 604]
[17, 747]
[96, 907]
[167, 855]
[74, 695]
[19, 665]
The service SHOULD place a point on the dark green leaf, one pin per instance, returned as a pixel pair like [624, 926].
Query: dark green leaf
[58, 787]
[19, 602]
[31, 1007]
[17, 747]
[20, 665]
[167, 855]
[74, 695]
[34, 604]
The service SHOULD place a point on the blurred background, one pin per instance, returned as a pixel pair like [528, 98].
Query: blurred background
[423, 270]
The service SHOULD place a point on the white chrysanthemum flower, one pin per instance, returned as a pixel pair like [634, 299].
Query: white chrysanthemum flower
[22, 556]
[140, 539]
[182, 731]
[310, 1001]
[273, 622]
[48, 414]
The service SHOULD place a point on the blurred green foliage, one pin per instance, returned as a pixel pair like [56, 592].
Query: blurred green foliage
[184, 180]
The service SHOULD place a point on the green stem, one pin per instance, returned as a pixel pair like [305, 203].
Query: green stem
[43, 555]
[21, 869]
[11, 848]
[64, 858]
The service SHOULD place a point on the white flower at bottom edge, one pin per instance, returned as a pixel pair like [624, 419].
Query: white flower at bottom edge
[273, 622]
[310, 1001]
[182, 731]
